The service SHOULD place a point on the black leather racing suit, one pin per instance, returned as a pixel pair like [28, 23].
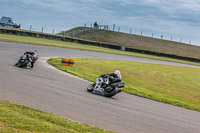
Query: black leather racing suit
[29, 53]
[113, 78]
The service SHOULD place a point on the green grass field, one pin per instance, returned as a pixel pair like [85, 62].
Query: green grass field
[61, 44]
[20, 119]
[178, 86]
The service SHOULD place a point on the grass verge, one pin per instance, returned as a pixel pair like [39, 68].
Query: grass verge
[17, 118]
[141, 42]
[61, 44]
[178, 86]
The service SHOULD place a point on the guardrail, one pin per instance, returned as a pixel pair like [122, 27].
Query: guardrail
[87, 42]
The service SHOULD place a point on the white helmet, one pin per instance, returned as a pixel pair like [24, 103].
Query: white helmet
[117, 72]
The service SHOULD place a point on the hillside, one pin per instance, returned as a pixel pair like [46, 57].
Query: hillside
[139, 42]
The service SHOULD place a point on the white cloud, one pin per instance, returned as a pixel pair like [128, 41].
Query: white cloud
[174, 6]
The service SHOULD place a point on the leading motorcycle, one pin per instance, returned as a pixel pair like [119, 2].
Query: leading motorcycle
[27, 60]
[104, 86]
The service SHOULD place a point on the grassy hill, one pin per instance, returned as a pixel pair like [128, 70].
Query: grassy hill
[140, 42]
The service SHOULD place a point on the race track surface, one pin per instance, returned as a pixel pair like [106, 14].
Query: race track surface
[46, 89]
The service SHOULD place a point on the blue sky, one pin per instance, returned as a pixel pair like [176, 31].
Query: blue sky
[179, 19]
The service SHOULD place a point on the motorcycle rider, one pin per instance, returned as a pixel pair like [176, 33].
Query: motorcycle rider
[31, 54]
[115, 77]
[108, 84]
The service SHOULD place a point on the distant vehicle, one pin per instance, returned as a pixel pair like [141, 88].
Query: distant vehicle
[8, 22]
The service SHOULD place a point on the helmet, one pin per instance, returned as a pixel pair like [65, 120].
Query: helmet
[117, 72]
[35, 51]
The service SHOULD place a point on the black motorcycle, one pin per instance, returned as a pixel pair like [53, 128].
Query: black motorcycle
[27, 60]
[103, 86]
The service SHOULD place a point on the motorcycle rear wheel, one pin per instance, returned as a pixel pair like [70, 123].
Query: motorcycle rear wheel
[111, 93]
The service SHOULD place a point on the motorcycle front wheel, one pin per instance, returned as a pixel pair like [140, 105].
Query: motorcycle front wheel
[23, 63]
[90, 88]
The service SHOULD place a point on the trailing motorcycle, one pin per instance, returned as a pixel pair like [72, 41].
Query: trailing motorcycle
[27, 60]
[104, 86]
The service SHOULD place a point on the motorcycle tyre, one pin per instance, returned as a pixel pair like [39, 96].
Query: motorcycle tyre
[23, 64]
[111, 93]
[17, 64]
[90, 88]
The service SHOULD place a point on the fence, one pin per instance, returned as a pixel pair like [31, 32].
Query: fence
[87, 42]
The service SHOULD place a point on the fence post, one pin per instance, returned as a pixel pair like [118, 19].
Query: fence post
[130, 30]
[42, 29]
[113, 27]
[118, 29]
[30, 27]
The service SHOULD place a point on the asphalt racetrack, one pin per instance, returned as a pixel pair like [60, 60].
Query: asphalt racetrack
[46, 89]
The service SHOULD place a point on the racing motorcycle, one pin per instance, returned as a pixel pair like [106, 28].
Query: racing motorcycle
[27, 60]
[105, 87]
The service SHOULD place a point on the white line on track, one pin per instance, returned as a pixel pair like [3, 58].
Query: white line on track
[43, 61]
